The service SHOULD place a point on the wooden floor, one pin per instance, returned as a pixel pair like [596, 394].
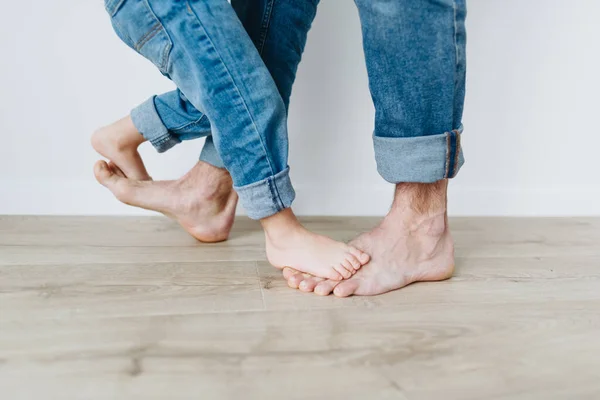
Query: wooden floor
[124, 308]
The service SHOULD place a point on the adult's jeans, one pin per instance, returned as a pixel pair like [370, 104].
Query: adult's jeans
[415, 53]
[204, 48]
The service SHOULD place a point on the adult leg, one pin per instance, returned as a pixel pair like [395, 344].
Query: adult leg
[203, 48]
[415, 52]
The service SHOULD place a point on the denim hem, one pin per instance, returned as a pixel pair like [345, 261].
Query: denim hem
[422, 159]
[150, 125]
[267, 197]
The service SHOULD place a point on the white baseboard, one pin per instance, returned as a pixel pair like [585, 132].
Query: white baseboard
[88, 198]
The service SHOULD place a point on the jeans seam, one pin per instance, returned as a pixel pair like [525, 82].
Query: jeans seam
[114, 7]
[158, 28]
[235, 86]
[163, 139]
[148, 36]
[455, 133]
[165, 143]
[447, 171]
[266, 23]
[456, 153]
[188, 124]
[275, 198]
[452, 153]
[456, 55]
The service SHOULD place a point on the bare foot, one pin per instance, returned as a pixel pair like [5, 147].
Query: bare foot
[289, 244]
[412, 244]
[202, 201]
[119, 143]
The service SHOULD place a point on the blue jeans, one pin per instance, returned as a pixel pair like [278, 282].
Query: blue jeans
[415, 52]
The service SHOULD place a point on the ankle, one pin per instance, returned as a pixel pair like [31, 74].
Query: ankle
[421, 198]
[420, 208]
[207, 182]
[122, 134]
[200, 202]
[129, 141]
[281, 225]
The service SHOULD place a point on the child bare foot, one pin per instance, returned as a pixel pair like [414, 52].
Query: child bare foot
[203, 201]
[119, 143]
[289, 244]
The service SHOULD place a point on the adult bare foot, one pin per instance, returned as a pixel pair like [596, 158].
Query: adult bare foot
[412, 244]
[289, 244]
[202, 201]
[119, 143]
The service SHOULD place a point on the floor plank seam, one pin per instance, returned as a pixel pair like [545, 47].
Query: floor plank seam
[260, 286]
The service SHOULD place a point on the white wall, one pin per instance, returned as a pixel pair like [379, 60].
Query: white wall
[532, 114]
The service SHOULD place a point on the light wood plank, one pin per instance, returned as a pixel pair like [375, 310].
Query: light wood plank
[102, 290]
[106, 231]
[75, 255]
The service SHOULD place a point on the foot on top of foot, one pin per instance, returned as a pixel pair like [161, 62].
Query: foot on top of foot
[119, 142]
[411, 244]
[289, 244]
[202, 202]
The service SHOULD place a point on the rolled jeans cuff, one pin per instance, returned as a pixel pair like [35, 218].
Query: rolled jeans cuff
[267, 197]
[148, 123]
[423, 159]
